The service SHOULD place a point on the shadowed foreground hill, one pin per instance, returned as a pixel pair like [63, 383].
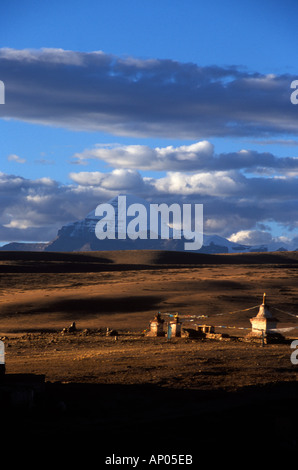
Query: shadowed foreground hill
[23, 261]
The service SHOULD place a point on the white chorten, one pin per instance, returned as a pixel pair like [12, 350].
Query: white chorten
[264, 322]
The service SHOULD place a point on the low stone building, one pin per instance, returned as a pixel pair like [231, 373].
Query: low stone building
[205, 328]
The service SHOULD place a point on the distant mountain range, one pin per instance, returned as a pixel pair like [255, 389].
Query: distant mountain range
[80, 236]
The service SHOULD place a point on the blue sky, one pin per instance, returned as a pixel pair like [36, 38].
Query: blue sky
[257, 35]
[241, 52]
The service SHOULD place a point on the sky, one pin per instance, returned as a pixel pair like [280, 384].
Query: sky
[173, 101]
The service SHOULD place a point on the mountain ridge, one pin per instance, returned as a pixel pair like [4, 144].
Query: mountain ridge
[80, 236]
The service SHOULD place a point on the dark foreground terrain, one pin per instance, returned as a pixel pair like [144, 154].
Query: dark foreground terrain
[136, 393]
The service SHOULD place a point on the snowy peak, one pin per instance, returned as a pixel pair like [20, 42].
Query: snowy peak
[80, 235]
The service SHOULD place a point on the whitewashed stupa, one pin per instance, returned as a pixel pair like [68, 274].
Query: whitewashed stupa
[174, 327]
[264, 322]
[263, 325]
[156, 326]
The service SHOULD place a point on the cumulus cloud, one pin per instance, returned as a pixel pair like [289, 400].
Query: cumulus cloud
[130, 96]
[232, 201]
[199, 156]
[117, 180]
[15, 158]
[251, 237]
[234, 204]
[260, 237]
[220, 184]
[185, 157]
[34, 210]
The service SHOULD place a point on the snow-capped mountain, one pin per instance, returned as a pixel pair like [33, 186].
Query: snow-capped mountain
[81, 236]
[232, 247]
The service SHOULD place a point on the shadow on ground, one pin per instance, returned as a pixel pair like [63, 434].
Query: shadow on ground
[142, 418]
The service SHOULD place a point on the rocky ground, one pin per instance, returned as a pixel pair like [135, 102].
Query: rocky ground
[132, 392]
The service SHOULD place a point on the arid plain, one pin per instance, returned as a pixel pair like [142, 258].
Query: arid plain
[140, 392]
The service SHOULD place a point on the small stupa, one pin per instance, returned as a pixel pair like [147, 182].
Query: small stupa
[156, 326]
[264, 321]
[263, 325]
[174, 327]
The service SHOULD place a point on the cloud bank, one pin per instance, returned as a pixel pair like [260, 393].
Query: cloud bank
[128, 96]
[242, 192]
[237, 204]
[199, 156]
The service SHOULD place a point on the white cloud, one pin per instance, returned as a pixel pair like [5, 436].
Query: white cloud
[37, 198]
[19, 224]
[218, 183]
[185, 157]
[199, 156]
[117, 180]
[259, 237]
[234, 202]
[15, 158]
[145, 158]
[46, 181]
[251, 237]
